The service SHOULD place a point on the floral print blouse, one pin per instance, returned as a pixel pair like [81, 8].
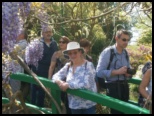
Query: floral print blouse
[82, 78]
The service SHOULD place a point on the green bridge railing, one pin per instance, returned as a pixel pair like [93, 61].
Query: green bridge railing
[125, 107]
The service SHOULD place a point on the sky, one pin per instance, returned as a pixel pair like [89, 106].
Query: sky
[135, 36]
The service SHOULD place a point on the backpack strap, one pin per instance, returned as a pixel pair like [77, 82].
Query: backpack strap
[68, 67]
[67, 70]
[111, 57]
[126, 55]
[86, 65]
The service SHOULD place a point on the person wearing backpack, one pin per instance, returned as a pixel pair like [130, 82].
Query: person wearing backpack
[118, 71]
[79, 74]
[145, 87]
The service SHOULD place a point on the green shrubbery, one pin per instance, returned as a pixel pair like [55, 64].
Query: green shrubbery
[138, 54]
[97, 48]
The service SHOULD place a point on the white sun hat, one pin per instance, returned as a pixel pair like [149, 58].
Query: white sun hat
[73, 46]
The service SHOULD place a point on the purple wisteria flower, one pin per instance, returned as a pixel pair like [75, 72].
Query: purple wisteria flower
[12, 23]
[10, 66]
[34, 52]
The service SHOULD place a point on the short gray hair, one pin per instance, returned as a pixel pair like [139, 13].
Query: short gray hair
[47, 28]
[123, 31]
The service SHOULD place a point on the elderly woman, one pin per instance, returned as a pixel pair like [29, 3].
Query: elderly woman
[79, 74]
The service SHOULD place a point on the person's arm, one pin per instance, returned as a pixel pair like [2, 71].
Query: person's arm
[101, 69]
[59, 77]
[51, 69]
[120, 71]
[144, 83]
[61, 74]
[52, 65]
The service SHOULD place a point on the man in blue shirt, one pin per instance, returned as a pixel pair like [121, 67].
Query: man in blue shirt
[50, 46]
[116, 76]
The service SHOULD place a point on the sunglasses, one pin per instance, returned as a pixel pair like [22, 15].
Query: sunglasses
[62, 42]
[71, 53]
[124, 40]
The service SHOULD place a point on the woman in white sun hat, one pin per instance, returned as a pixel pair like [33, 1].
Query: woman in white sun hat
[77, 74]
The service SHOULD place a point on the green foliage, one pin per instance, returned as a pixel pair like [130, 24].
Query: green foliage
[138, 54]
[60, 11]
[146, 37]
[33, 26]
[110, 30]
[97, 48]
[99, 30]
[133, 92]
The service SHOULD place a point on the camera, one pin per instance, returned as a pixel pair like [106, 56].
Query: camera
[131, 71]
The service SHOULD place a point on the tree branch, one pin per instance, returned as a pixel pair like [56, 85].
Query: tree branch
[148, 9]
[77, 20]
[21, 62]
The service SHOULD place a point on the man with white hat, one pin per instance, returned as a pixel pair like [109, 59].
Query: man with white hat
[79, 74]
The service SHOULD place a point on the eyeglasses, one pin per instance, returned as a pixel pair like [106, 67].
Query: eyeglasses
[124, 40]
[62, 42]
[71, 53]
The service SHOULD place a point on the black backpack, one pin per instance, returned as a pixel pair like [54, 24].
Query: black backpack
[146, 66]
[101, 81]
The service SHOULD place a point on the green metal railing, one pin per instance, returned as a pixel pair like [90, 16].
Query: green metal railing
[125, 107]
[6, 100]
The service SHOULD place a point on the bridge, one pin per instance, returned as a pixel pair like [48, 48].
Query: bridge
[125, 107]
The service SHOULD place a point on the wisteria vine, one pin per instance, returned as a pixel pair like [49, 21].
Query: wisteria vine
[12, 22]
[34, 52]
[14, 16]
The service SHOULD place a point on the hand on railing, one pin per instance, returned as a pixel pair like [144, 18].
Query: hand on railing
[62, 85]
